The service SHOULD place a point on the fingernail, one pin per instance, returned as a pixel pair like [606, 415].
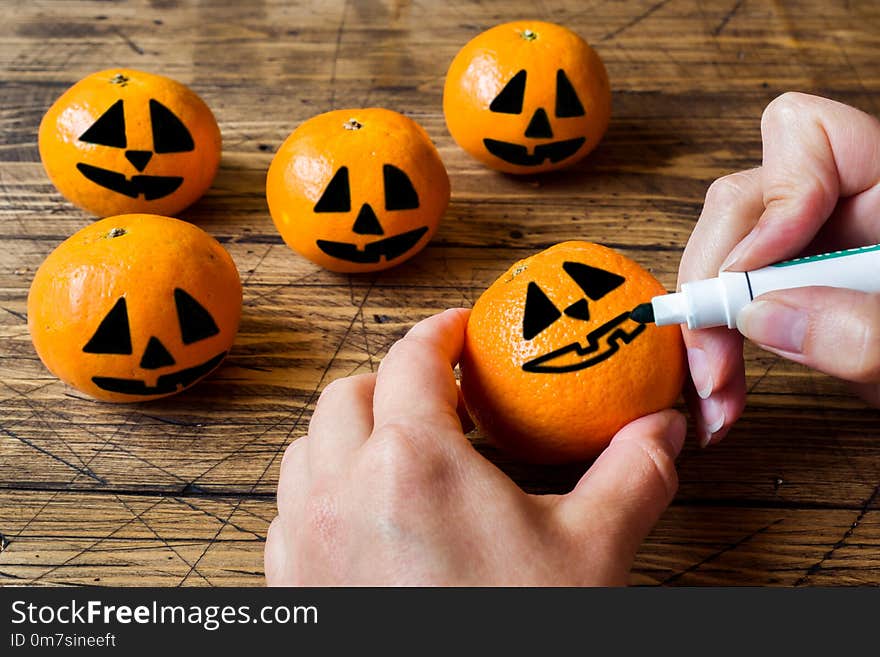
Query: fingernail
[775, 325]
[739, 250]
[701, 375]
[675, 433]
[713, 420]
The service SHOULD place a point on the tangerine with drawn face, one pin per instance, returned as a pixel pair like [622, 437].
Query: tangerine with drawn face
[135, 307]
[357, 190]
[527, 97]
[553, 365]
[122, 141]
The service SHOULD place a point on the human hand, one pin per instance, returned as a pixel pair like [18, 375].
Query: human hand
[817, 190]
[387, 490]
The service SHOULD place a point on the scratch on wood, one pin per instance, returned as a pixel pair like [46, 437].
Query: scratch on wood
[218, 518]
[816, 567]
[97, 542]
[722, 551]
[763, 376]
[158, 537]
[84, 470]
[9, 575]
[131, 44]
[4, 543]
[15, 314]
[339, 32]
[168, 420]
[726, 19]
[635, 21]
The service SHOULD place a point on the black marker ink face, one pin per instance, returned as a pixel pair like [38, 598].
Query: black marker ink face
[602, 341]
[169, 134]
[113, 337]
[399, 195]
[510, 100]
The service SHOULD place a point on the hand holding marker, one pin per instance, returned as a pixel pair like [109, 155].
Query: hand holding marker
[718, 301]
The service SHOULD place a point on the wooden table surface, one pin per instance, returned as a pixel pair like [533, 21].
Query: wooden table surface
[180, 491]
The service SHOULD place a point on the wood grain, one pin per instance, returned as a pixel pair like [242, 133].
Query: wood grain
[180, 491]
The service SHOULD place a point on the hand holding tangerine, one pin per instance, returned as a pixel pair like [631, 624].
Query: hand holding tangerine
[553, 365]
[387, 450]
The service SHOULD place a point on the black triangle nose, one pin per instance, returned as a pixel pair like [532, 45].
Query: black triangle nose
[156, 355]
[539, 126]
[367, 223]
[138, 158]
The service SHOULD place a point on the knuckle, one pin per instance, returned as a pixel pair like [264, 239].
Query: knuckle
[408, 348]
[867, 363]
[289, 454]
[655, 467]
[333, 390]
[727, 190]
[273, 533]
[393, 448]
[785, 106]
[403, 466]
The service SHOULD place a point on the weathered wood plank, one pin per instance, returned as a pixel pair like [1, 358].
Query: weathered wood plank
[120, 539]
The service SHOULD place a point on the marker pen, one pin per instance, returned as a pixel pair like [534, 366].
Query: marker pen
[718, 301]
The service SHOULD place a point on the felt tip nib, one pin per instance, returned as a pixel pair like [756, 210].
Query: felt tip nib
[643, 313]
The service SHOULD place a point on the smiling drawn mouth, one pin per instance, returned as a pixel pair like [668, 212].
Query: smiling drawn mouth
[570, 358]
[166, 384]
[390, 247]
[152, 187]
[518, 154]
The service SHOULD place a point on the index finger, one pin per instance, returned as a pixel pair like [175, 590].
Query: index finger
[816, 151]
[416, 382]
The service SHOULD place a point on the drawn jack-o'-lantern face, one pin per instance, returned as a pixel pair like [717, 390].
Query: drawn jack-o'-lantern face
[527, 97]
[399, 195]
[127, 141]
[113, 336]
[607, 329]
[357, 190]
[135, 307]
[554, 365]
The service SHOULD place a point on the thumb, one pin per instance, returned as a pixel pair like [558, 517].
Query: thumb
[623, 494]
[830, 329]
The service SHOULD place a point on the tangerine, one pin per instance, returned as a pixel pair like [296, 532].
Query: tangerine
[357, 190]
[134, 307]
[553, 365]
[122, 141]
[527, 97]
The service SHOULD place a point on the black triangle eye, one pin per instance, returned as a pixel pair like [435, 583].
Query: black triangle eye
[510, 100]
[113, 335]
[337, 196]
[196, 323]
[567, 102]
[595, 283]
[580, 309]
[169, 133]
[108, 129]
[539, 312]
[399, 191]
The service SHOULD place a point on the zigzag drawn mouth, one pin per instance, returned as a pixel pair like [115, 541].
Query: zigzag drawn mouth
[566, 359]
